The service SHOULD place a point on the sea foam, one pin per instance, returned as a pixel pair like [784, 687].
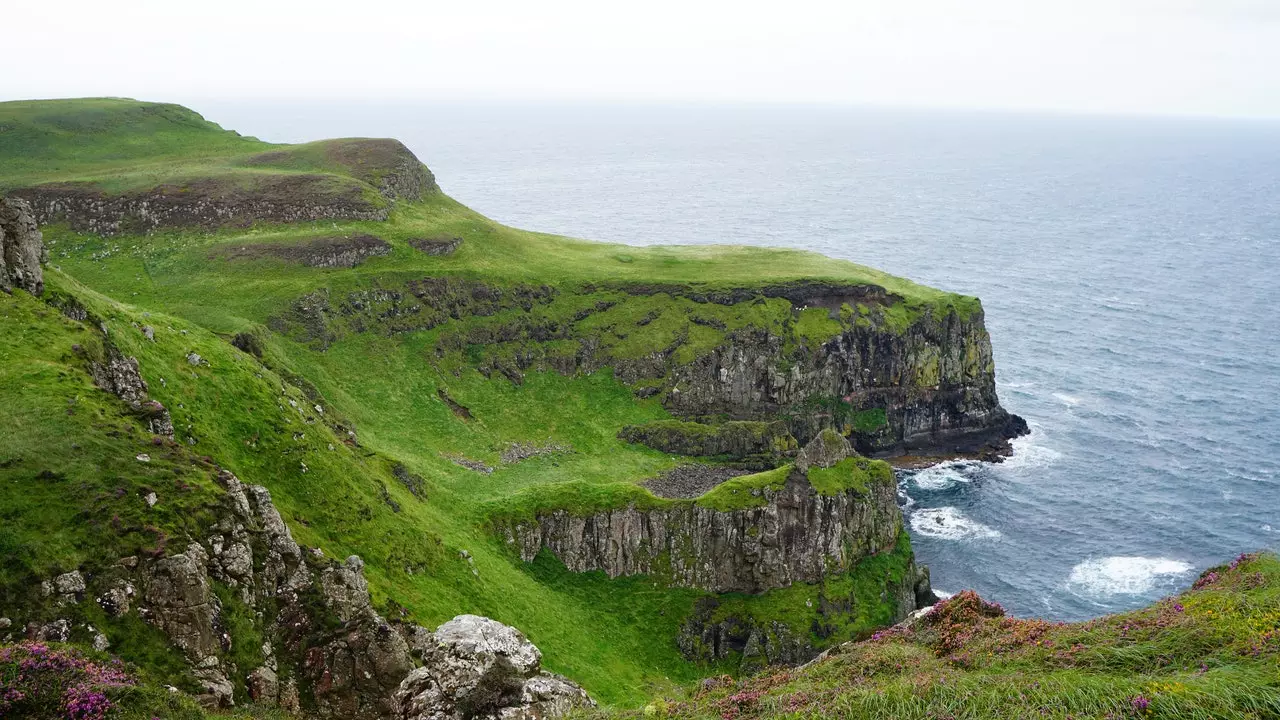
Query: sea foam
[944, 475]
[1123, 575]
[948, 523]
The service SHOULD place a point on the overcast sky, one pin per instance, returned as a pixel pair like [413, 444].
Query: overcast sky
[1215, 57]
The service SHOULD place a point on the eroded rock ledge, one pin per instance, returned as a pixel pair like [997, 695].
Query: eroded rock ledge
[787, 534]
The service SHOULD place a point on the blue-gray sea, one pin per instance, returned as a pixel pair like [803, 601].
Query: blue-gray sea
[1128, 266]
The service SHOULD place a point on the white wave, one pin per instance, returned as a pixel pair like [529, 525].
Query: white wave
[1068, 400]
[942, 594]
[1123, 575]
[944, 475]
[1266, 528]
[947, 523]
[1030, 452]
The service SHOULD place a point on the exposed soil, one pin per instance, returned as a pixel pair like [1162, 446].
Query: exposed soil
[691, 481]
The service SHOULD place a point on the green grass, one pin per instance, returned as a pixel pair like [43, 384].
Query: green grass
[857, 474]
[745, 491]
[1210, 653]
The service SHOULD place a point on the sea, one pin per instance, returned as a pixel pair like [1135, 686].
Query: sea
[1129, 268]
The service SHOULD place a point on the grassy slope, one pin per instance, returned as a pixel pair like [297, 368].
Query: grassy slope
[1210, 653]
[616, 637]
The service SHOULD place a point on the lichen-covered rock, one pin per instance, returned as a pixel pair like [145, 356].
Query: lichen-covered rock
[796, 535]
[119, 376]
[824, 451]
[180, 601]
[346, 591]
[480, 668]
[69, 587]
[22, 250]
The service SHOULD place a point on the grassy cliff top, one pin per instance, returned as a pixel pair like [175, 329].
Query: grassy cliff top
[119, 146]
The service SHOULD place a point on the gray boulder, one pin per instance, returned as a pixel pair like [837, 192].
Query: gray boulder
[824, 451]
[480, 668]
[22, 249]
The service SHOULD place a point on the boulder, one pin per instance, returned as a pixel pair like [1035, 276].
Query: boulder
[475, 667]
[22, 249]
[824, 451]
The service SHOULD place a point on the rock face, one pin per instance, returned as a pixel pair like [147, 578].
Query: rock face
[797, 535]
[934, 380]
[22, 250]
[474, 667]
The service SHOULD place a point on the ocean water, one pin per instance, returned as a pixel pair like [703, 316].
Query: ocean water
[1129, 269]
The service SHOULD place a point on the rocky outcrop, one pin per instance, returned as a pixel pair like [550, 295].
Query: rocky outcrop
[934, 380]
[22, 250]
[736, 439]
[474, 667]
[384, 163]
[118, 375]
[794, 534]
[325, 252]
[443, 245]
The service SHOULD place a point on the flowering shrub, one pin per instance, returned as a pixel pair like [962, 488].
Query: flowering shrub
[39, 681]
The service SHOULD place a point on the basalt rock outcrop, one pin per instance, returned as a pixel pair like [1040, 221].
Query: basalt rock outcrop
[474, 667]
[118, 375]
[794, 534]
[934, 380]
[22, 250]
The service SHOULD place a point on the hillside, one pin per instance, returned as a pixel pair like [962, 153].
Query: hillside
[418, 386]
[1210, 652]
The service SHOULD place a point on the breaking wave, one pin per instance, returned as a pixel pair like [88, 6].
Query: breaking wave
[944, 475]
[1123, 575]
[948, 523]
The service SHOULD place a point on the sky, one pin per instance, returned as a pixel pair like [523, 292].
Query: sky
[1197, 57]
